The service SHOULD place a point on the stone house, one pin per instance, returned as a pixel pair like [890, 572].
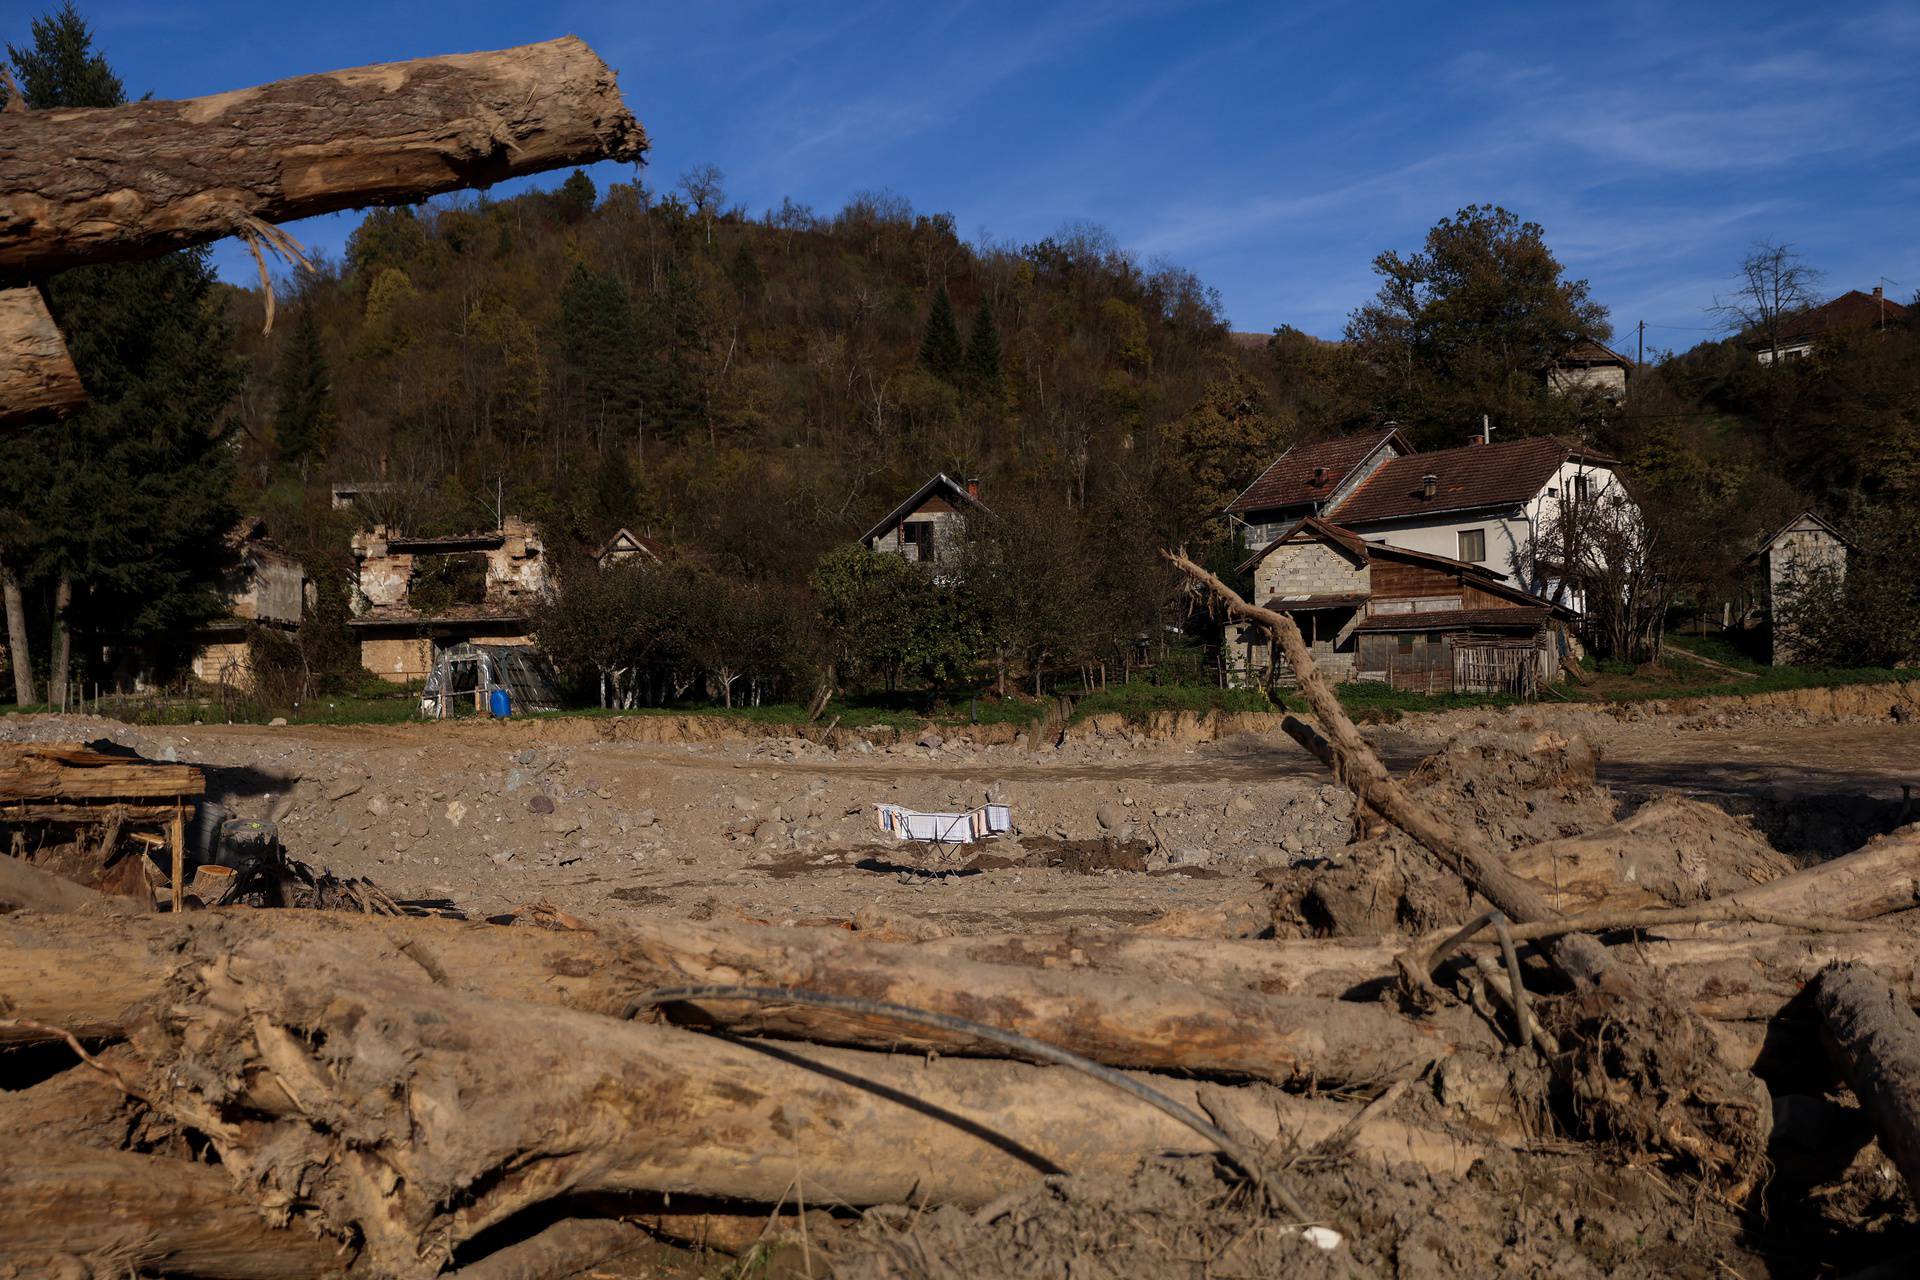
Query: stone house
[416, 596]
[1480, 503]
[1417, 621]
[927, 525]
[1588, 365]
[264, 586]
[1781, 566]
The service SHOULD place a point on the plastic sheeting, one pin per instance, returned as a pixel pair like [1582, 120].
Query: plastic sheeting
[473, 671]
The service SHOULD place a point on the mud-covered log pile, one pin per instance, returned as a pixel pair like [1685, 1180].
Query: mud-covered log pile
[333, 1092]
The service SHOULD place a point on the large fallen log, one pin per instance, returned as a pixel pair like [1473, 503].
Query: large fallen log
[352, 1094]
[95, 185]
[105, 1215]
[1875, 1040]
[1880, 877]
[86, 974]
[37, 377]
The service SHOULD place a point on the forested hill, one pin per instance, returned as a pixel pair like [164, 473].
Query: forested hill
[756, 388]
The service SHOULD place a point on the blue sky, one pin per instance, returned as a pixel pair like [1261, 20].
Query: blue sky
[1272, 148]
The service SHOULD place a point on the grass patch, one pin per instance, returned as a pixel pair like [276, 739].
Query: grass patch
[1138, 700]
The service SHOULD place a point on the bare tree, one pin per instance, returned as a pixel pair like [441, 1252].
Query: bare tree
[705, 188]
[1775, 284]
[1616, 561]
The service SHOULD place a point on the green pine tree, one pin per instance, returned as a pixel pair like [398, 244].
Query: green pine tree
[616, 495]
[745, 272]
[60, 68]
[133, 497]
[576, 196]
[983, 353]
[940, 351]
[303, 408]
[600, 338]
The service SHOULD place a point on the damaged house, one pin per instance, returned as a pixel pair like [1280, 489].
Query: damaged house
[1417, 621]
[416, 597]
[264, 586]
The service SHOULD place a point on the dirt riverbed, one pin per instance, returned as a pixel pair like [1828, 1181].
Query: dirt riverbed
[1114, 825]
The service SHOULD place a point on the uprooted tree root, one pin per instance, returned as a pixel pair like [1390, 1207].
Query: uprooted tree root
[1647, 1077]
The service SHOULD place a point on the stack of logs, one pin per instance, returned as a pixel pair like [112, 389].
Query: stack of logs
[112, 822]
[292, 1093]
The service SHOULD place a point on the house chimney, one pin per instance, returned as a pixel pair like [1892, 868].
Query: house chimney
[973, 486]
[1878, 293]
[1319, 475]
[1429, 485]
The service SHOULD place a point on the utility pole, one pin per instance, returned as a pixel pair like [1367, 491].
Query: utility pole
[1640, 348]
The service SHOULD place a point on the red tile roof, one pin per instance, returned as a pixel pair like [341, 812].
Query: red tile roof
[1505, 473]
[1851, 310]
[1452, 619]
[1289, 481]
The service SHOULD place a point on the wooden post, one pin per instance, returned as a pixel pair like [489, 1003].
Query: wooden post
[179, 835]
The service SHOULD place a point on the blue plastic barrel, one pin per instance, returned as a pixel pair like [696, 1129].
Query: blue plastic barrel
[500, 704]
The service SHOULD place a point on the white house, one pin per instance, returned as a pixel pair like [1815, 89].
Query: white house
[1481, 503]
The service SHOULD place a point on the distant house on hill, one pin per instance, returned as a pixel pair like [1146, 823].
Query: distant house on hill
[1479, 504]
[1852, 311]
[1417, 621]
[415, 597]
[626, 546]
[1783, 565]
[265, 586]
[926, 526]
[1589, 365]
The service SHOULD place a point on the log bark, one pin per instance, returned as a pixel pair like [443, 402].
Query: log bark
[566, 1248]
[1875, 1040]
[1880, 877]
[67, 1211]
[86, 975]
[37, 377]
[97, 185]
[354, 1093]
[1669, 852]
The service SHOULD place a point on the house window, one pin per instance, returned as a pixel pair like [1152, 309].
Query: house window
[1473, 545]
[1579, 490]
[918, 535]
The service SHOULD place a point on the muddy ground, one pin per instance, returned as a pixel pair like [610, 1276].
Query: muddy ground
[1115, 825]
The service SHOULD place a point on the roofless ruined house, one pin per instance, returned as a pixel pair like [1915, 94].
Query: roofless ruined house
[115, 183]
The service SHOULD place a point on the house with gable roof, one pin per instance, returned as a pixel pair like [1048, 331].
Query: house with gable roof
[1480, 503]
[926, 527]
[1411, 619]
